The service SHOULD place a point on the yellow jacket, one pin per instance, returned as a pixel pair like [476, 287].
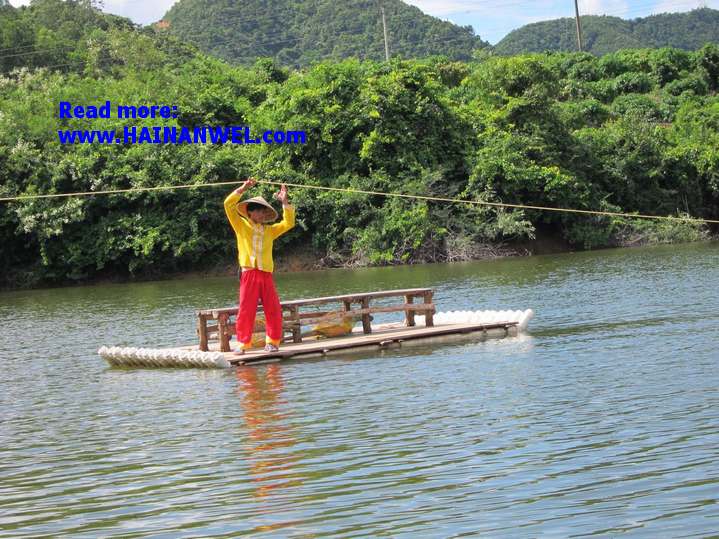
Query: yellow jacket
[254, 241]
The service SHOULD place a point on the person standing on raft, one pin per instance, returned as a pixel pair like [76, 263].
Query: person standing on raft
[250, 219]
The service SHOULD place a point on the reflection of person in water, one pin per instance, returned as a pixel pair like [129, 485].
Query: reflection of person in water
[270, 440]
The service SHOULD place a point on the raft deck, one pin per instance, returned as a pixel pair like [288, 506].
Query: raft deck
[330, 319]
[383, 336]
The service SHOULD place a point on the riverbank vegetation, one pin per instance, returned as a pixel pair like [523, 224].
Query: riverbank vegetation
[632, 131]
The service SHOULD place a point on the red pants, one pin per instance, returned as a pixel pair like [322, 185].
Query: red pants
[255, 284]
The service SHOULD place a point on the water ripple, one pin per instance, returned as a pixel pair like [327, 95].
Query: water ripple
[603, 422]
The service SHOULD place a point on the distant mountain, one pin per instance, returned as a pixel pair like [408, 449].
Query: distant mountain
[76, 36]
[298, 32]
[603, 34]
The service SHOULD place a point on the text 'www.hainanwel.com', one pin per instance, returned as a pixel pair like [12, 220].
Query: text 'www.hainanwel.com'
[161, 134]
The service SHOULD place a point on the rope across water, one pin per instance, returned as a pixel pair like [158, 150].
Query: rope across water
[364, 192]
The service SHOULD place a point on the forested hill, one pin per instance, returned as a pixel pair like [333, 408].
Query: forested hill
[298, 32]
[77, 37]
[602, 34]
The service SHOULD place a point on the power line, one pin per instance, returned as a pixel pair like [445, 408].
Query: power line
[215, 44]
[19, 48]
[295, 40]
[41, 51]
[485, 6]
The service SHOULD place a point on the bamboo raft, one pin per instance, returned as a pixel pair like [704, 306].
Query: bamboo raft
[331, 331]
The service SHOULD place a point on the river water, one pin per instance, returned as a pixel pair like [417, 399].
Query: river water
[603, 421]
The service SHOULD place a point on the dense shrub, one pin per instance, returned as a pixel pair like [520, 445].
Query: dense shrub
[635, 131]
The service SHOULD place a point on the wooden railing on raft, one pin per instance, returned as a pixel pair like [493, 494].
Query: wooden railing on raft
[218, 324]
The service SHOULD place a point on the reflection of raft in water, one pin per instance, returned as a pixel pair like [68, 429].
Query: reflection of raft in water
[329, 332]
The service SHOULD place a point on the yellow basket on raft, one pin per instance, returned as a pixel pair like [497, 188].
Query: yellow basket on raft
[328, 326]
[333, 326]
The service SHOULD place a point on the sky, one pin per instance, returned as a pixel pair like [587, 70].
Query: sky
[491, 19]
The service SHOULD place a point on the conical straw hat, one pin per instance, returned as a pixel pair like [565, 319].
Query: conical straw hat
[242, 206]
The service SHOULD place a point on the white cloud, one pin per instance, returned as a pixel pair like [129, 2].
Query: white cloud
[617, 8]
[673, 6]
[495, 8]
[139, 11]
[440, 8]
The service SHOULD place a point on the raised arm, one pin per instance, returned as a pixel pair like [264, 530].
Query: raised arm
[288, 214]
[234, 215]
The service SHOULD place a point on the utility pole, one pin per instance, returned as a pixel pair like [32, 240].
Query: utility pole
[386, 41]
[579, 26]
